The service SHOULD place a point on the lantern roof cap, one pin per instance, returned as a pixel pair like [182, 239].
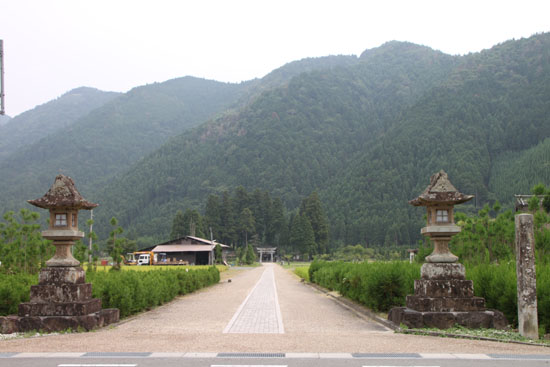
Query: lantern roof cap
[63, 194]
[440, 191]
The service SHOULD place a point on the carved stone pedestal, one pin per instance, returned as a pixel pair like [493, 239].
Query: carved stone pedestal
[442, 298]
[60, 301]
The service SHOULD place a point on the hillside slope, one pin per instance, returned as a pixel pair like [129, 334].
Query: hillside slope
[291, 140]
[48, 118]
[494, 103]
[111, 138]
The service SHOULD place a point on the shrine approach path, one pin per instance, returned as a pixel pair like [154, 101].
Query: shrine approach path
[263, 309]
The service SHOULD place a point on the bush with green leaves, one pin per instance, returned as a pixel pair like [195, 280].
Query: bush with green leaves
[129, 291]
[132, 291]
[14, 289]
[379, 285]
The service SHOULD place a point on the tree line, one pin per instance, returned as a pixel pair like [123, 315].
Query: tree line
[241, 218]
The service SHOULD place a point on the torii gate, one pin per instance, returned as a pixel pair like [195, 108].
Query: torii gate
[266, 250]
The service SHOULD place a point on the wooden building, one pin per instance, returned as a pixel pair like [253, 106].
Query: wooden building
[194, 250]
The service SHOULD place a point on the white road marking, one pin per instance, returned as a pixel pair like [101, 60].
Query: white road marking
[248, 365]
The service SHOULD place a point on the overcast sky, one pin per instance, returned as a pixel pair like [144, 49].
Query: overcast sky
[53, 46]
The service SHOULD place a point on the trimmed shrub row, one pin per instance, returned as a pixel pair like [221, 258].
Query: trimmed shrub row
[129, 291]
[497, 283]
[132, 292]
[381, 286]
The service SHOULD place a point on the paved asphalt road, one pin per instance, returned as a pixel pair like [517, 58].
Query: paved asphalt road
[294, 361]
[303, 325]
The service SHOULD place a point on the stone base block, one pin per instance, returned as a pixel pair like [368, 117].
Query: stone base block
[445, 304]
[8, 324]
[79, 308]
[443, 271]
[444, 320]
[59, 275]
[59, 323]
[67, 292]
[456, 288]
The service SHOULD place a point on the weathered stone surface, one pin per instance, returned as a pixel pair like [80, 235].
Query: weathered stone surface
[60, 309]
[443, 271]
[108, 316]
[444, 320]
[59, 323]
[60, 275]
[445, 304]
[396, 315]
[440, 320]
[444, 288]
[499, 320]
[8, 324]
[67, 292]
[526, 276]
[62, 194]
[475, 320]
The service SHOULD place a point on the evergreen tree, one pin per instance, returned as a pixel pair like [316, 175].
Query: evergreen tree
[212, 216]
[179, 227]
[311, 208]
[227, 220]
[302, 238]
[246, 224]
[250, 255]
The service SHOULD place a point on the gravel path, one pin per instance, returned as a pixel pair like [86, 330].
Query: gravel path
[313, 322]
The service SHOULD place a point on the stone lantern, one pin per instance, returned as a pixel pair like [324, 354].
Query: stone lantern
[62, 299]
[63, 201]
[439, 198]
[442, 296]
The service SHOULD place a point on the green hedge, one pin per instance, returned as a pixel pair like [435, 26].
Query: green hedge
[129, 291]
[497, 284]
[381, 286]
[14, 289]
[132, 291]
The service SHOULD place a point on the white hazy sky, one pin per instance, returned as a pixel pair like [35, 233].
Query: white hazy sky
[53, 46]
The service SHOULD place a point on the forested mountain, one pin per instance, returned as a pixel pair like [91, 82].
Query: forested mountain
[290, 140]
[366, 135]
[111, 138]
[48, 118]
[494, 103]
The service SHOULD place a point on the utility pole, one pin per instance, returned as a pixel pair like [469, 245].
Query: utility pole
[2, 108]
[90, 238]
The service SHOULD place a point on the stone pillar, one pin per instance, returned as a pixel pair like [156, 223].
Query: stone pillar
[526, 276]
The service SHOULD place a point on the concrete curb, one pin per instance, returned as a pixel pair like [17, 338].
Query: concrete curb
[362, 311]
